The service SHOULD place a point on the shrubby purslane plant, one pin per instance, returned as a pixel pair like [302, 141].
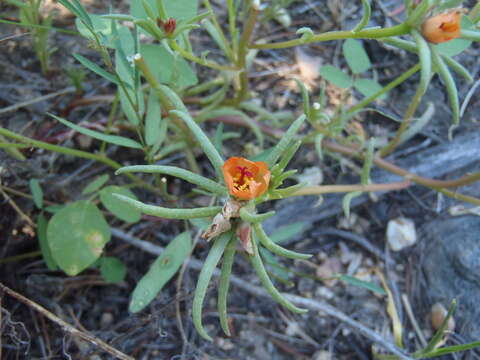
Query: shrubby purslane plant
[153, 82]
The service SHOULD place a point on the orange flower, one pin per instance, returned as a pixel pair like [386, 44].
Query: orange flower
[442, 27]
[246, 179]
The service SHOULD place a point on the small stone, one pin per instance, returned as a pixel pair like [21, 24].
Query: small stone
[322, 355]
[437, 316]
[401, 233]
[224, 344]
[324, 292]
[106, 319]
[328, 270]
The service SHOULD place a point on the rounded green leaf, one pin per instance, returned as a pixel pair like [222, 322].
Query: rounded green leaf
[77, 235]
[112, 269]
[161, 271]
[178, 9]
[356, 56]
[37, 193]
[336, 76]
[119, 208]
[455, 47]
[95, 184]
[369, 87]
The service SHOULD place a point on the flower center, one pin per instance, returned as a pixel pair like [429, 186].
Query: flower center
[243, 178]
[449, 26]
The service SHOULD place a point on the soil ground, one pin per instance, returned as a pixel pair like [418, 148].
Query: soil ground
[261, 329]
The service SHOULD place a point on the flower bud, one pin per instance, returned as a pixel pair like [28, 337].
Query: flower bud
[442, 27]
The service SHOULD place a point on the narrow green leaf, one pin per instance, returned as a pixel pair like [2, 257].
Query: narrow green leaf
[284, 142]
[121, 17]
[277, 270]
[77, 235]
[367, 12]
[284, 233]
[363, 284]
[161, 271]
[209, 266]
[225, 111]
[112, 139]
[37, 193]
[224, 283]
[419, 13]
[247, 216]
[153, 119]
[82, 12]
[42, 239]
[318, 145]
[369, 87]
[305, 97]
[450, 350]
[347, 199]
[95, 184]
[450, 86]
[458, 68]
[186, 175]
[336, 76]
[367, 163]
[101, 27]
[112, 269]
[437, 337]
[356, 56]
[218, 141]
[425, 60]
[288, 155]
[119, 208]
[95, 68]
[267, 283]
[275, 248]
[204, 142]
[216, 36]
[168, 213]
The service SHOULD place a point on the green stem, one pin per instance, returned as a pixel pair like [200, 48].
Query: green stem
[170, 213]
[73, 152]
[208, 268]
[186, 175]
[407, 74]
[173, 44]
[330, 189]
[16, 258]
[242, 52]
[397, 30]
[59, 149]
[223, 39]
[275, 248]
[267, 283]
[33, 26]
[224, 283]
[391, 146]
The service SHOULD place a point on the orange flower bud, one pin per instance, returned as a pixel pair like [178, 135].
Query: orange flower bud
[442, 27]
[246, 179]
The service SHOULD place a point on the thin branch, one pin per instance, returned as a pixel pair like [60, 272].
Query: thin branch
[64, 325]
[17, 208]
[384, 164]
[329, 189]
[310, 304]
[22, 104]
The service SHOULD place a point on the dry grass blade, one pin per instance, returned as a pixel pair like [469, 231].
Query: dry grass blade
[66, 326]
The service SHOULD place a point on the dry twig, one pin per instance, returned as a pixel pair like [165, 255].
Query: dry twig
[64, 325]
[311, 304]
